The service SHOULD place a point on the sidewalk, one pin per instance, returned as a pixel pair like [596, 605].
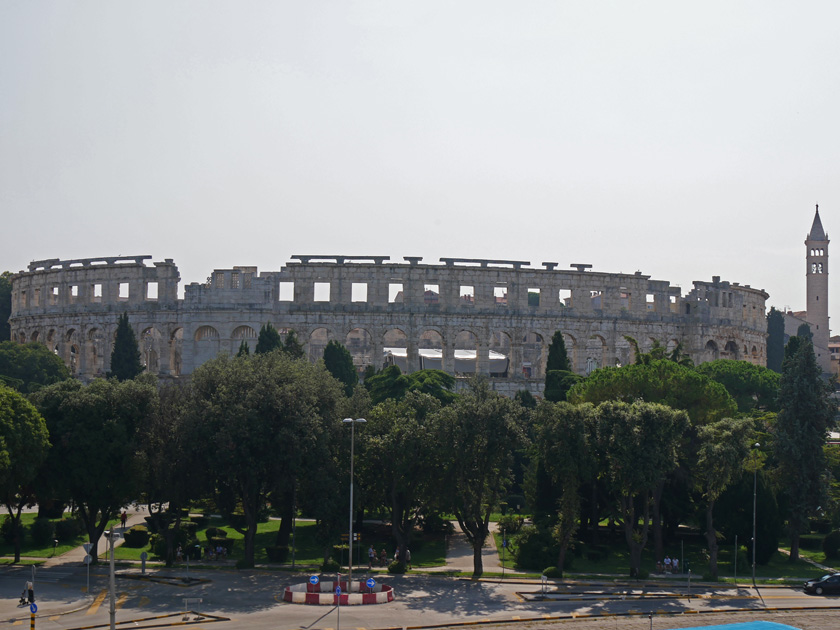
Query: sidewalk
[459, 554]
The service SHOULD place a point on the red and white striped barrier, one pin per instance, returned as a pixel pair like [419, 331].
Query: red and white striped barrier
[323, 594]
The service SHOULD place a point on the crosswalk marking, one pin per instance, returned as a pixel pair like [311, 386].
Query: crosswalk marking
[94, 607]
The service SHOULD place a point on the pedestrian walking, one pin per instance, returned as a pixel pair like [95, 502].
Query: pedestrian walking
[123, 518]
[30, 591]
[371, 557]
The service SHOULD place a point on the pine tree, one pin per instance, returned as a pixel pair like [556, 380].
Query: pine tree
[801, 426]
[559, 377]
[125, 359]
[775, 340]
[268, 340]
[244, 349]
[292, 346]
[339, 363]
[558, 359]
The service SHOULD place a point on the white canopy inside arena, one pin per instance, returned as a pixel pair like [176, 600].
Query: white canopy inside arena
[431, 359]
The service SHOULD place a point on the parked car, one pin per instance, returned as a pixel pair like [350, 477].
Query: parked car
[824, 585]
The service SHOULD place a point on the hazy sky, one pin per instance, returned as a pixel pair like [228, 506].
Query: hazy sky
[681, 139]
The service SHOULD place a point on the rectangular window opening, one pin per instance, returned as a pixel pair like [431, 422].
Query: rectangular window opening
[395, 293]
[533, 297]
[123, 291]
[500, 296]
[234, 280]
[467, 294]
[54, 295]
[151, 290]
[246, 280]
[220, 280]
[650, 301]
[96, 293]
[565, 297]
[431, 294]
[36, 297]
[286, 292]
[358, 292]
[322, 291]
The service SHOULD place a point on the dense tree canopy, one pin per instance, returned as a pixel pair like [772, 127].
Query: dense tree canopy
[661, 381]
[95, 429]
[24, 442]
[752, 386]
[257, 422]
[339, 363]
[27, 367]
[391, 383]
[268, 339]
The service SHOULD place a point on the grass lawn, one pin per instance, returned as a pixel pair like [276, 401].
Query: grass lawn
[613, 558]
[28, 548]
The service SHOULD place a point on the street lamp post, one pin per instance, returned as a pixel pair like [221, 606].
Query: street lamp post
[755, 496]
[112, 536]
[352, 423]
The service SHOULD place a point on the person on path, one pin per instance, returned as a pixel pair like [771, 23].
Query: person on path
[408, 558]
[667, 564]
[30, 591]
[371, 557]
[675, 565]
[383, 558]
[123, 518]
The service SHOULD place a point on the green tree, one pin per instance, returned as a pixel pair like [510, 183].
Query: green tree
[564, 450]
[720, 459]
[244, 349]
[398, 460]
[477, 437]
[804, 331]
[660, 381]
[557, 359]
[95, 429]
[658, 352]
[292, 345]
[801, 426]
[339, 363]
[752, 386]
[24, 442]
[559, 377]
[391, 383]
[27, 367]
[260, 419]
[775, 340]
[268, 340]
[5, 305]
[125, 359]
[638, 443]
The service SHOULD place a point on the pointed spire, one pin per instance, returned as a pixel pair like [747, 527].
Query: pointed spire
[817, 233]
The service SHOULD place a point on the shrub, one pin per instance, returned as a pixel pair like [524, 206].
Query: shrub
[215, 532]
[831, 545]
[137, 536]
[7, 531]
[396, 567]
[42, 532]
[436, 524]
[532, 546]
[277, 553]
[67, 529]
[552, 572]
[200, 521]
[511, 524]
[330, 566]
[190, 527]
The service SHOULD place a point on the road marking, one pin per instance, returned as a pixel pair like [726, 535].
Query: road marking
[121, 600]
[55, 617]
[144, 601]
[94, 607]
[17, 623]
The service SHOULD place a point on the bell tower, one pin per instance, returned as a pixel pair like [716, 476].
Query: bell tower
[816, 274]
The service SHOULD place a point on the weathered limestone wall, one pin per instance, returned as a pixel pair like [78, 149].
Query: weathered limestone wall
[370, 303]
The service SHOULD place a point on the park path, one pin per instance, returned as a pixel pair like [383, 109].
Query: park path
[459, 553]
[136, 516]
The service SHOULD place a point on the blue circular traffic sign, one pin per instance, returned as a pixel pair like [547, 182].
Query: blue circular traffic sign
[338, 590]
[314, 579]
[371, 583]
[33, 608]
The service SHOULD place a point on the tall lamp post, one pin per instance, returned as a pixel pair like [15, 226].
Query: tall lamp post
[352, 423]
[755, 496]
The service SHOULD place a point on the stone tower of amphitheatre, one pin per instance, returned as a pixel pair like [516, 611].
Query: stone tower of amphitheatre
[494, 317]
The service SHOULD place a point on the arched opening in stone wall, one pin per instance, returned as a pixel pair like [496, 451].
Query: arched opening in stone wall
[318, 339]
[730, 350]
[572, 347]
[499, 354]
[466, 353]
[22, 337]
[624, 352]
[394, 349]
[533, 354]
[360, 345]
[242, 334]
[150, 349]
[711, 352]
[51, 337]
[74, 360]
[206, 344]
[596, 353]
[430, 350]
[176, 344]
[34, 336]
[754, 353]
[93, 352]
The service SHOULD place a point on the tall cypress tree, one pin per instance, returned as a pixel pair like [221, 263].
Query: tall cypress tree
[775, 340]
[268, 340]
[125, 359]
[801, 426]
[559, 377]
[339, 363]
[293, 347]
[558, 359]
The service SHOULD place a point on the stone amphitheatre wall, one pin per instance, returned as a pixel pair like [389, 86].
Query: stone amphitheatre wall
[370, 304]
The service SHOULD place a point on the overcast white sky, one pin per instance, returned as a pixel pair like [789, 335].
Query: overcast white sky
[681, 139]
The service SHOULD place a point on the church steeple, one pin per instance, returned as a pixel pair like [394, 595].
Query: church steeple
[817, 233]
